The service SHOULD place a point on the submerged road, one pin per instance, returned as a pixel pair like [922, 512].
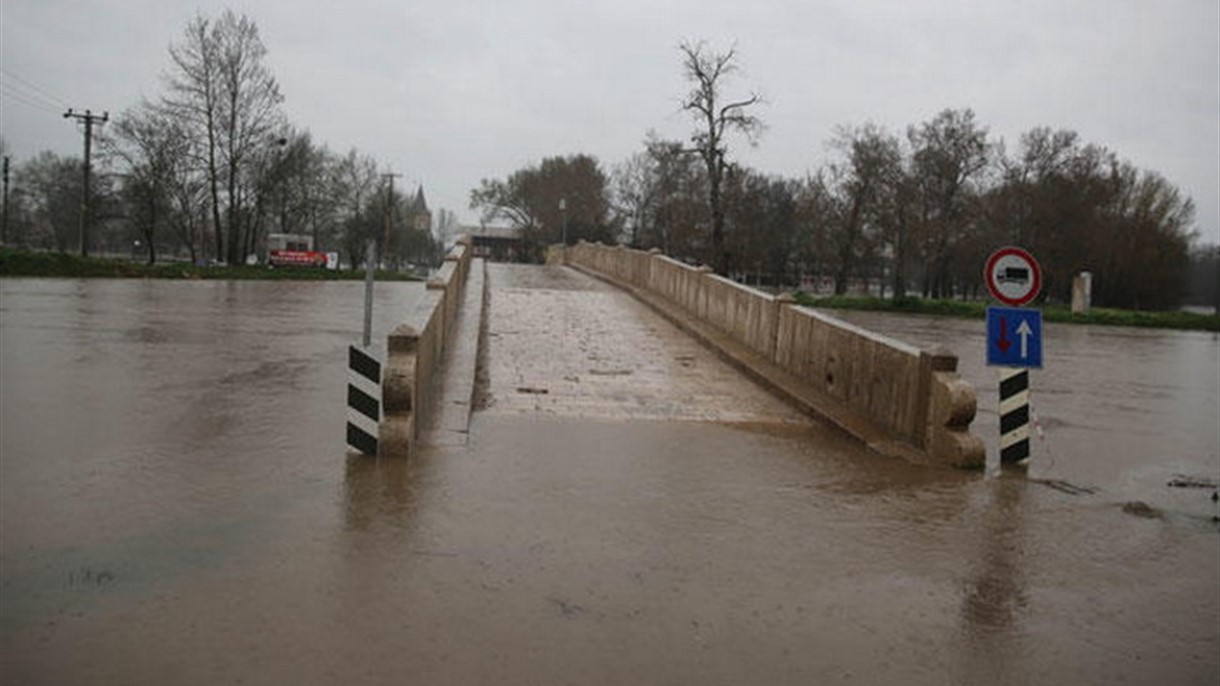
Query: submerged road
[650, 520]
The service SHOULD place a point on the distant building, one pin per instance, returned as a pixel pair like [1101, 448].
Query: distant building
[419, 217]
[497, 243]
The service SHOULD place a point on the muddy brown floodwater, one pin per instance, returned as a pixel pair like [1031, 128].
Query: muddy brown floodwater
[176, 506]
[1121, 409]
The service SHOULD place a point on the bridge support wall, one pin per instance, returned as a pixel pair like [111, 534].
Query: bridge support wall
[895, 397]
[415, 350]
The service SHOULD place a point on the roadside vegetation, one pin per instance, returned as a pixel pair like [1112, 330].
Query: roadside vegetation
[1190, 321]
[210, 167]
[16, 263]
[904, 212]
[207, 168]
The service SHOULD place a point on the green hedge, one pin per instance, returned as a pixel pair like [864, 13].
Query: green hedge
[60, 265]
[1052, 313]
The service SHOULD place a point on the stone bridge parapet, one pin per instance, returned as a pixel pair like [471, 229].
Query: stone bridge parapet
[414, 352]
[898, 399]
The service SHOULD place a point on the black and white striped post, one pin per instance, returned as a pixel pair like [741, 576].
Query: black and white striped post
[364, 377]
[363, 400]
[1014, 415]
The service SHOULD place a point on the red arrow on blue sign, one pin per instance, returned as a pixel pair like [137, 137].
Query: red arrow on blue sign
[1003, 343]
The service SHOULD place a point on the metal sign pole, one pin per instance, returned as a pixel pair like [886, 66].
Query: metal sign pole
[364, 377]
[992, 464]
[368, 294]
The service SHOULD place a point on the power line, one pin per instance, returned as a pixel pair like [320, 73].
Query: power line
[59, 102]
[17, 96]
[24, 100]
[26, 91]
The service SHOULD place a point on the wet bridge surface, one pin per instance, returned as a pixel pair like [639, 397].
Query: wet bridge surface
[627, 511]
[563, 344]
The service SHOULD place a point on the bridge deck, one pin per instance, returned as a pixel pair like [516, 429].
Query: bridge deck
[564, 344]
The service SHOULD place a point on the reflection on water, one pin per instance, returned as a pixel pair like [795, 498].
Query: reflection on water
[377, 493]
[994, 592]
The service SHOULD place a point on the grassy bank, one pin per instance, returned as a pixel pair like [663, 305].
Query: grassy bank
[58, 265]
[1189, 321]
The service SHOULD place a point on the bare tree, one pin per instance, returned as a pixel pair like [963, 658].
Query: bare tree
[715, 117]
[249, 108]
[562, 198]
[447, 227]
[222, 87]
[950, 155]
[508, 199]
[194, 99]
[815, 213]
[152, 147]
[680, 208]
[762, 225]
[353, 181]
[51, 187]
[862, 183]
[635, 189]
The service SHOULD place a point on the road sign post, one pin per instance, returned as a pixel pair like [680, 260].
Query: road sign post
[1014, 343]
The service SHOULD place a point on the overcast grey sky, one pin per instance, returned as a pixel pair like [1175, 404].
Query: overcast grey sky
[447, 92]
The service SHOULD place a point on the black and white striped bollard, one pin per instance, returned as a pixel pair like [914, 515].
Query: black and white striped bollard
[363, 400]
[1014, 415]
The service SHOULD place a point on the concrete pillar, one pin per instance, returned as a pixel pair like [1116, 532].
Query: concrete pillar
[397, 383]
[1082, 293]
[699, 298]
[781, 301]
[398, 392]
[936, 359]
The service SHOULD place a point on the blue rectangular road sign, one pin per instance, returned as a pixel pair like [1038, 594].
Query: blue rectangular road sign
[1014, 337]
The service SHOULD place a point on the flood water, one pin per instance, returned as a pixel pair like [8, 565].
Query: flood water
[1121, 409]
[176, 506]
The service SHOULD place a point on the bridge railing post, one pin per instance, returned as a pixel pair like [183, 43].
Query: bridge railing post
[398, 391]
[781, 301]
[946, 406]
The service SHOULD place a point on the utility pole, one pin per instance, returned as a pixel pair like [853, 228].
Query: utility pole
[4, 220]
[281, 142]
[389, 199]
[89, 118]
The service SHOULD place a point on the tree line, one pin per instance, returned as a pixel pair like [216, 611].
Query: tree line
[896, 213]
[209, 168]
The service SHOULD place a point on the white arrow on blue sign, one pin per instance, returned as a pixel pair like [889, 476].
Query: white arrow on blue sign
[1014, 337]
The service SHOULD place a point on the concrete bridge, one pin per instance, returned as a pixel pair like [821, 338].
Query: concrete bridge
[617, 334]
[669, 478]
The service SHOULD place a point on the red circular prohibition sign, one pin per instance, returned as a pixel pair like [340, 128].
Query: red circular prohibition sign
[993, 279]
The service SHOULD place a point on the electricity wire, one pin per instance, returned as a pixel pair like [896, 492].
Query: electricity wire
[43, 94]
[12, 94]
